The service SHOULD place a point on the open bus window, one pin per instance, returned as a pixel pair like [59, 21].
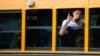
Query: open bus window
[73, 34]
[94, 38]
[38, 29]
[10, 29]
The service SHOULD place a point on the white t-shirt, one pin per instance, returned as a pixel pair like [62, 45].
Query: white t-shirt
[72, 24]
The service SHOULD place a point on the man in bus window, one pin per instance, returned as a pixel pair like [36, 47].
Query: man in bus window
[69, 26]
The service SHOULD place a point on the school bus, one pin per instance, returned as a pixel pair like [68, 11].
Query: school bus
[34, 29]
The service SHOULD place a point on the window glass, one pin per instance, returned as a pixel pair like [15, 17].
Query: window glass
[38, 29]
[73, 36]
[10, 29]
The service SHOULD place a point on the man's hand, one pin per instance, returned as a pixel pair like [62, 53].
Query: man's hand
[65, 23]
[81, 24]
[69, 17]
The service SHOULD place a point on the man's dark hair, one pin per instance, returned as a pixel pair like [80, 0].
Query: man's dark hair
[80, 9]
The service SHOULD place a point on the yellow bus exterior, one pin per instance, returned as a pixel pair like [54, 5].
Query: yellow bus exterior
[51, 4]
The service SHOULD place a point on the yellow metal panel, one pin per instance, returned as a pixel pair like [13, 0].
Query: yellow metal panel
[70, 3]
[54, 30]
[86, 42]
[41, 4]
[23, 30]
[11, 4]
[94, 3]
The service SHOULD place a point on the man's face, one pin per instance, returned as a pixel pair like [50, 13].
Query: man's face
[77, 14]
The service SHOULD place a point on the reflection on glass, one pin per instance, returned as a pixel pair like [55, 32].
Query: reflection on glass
[94, 32]
[10, 41]
[95, 38]
[10, 31]
[94, 19]
[39, 38]
[38, 35]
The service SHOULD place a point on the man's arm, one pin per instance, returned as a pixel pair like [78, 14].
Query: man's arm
[64, 27]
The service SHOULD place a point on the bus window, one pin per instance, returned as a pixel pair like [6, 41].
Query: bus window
[70, 32]
[94, 31]
[38, 29]
[10, 29]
